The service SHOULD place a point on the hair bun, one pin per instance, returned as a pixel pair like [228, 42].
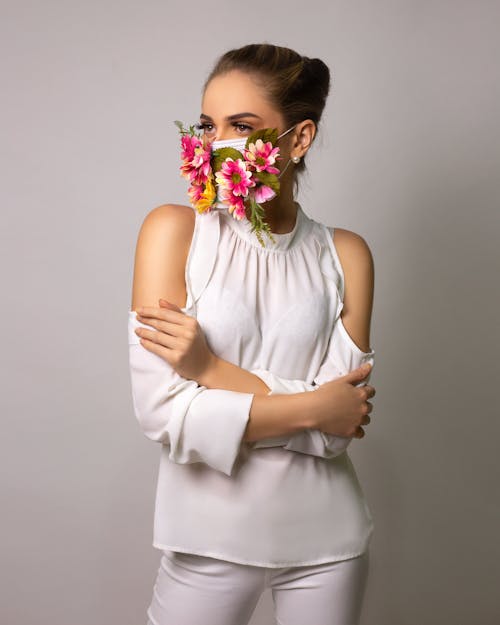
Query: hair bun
[320, 71]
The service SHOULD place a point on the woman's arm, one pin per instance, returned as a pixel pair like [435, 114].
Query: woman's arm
[224, 374]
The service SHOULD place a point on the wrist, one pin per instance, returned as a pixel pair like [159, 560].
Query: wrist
[275, 416]
[302, 411]
[209, 374]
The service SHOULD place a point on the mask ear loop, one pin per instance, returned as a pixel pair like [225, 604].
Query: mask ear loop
[284, 170]
[289, 160]
[286, 131]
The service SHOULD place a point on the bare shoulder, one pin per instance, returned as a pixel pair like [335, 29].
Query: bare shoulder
[352, 248]
[359, 277]
[161, 253]
[168, 220]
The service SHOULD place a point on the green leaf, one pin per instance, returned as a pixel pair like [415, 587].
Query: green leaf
[270, 180]
[257, 214]
[229, 152]
[191, 130]
[220, 155]
[266, 134]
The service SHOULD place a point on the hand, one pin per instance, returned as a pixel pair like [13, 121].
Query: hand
[340, 407]
[178, 339]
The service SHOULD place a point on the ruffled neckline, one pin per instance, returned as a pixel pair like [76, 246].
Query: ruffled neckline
[283, 241]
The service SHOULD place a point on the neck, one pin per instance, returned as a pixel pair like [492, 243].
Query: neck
[281, 212]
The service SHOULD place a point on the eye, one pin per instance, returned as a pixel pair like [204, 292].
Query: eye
[208, 128]
[242, 127]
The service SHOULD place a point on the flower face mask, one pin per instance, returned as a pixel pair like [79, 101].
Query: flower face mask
[238, 173]
[240, 144]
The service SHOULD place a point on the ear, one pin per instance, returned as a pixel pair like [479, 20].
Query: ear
[303, 137]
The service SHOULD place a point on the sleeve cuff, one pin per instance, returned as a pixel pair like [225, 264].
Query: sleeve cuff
[282, 386]
[215, 428]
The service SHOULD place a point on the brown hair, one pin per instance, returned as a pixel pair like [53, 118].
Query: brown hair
[296, 85]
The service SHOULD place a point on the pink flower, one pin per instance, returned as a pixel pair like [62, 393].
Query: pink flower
[194, 192]
[188, 144]
[263, 193]
[262, 156]
[234, 177]
[237, 207]
[195, 160]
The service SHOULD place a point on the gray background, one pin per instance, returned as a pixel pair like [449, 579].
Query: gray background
[409, 158]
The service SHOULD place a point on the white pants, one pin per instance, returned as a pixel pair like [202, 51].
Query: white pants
[198, 590]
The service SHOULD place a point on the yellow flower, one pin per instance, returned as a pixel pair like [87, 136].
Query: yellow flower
[207, 197]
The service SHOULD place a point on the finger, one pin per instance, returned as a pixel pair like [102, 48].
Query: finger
[358, 374]
[359, 432]
[163, 352]
[370, 390]
[159, 338]
[165, 303]
[164, 314]
[161, 314]
[174, 329]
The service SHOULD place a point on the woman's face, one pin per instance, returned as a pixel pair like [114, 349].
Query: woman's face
[233, 106]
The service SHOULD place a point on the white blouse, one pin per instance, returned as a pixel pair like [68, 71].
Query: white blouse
[275, 311]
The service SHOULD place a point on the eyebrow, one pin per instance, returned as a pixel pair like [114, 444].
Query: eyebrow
[231, 118]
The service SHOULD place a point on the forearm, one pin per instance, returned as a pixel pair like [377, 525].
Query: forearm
[278, 415]
[225, 375]
[285, 412]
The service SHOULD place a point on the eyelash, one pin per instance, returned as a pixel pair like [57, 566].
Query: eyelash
[245, 127]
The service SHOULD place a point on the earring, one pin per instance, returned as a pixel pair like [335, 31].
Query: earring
[296, 159]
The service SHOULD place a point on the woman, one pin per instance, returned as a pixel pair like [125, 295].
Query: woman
[228, 339]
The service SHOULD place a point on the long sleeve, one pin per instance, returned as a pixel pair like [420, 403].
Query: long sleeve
[342, 356]
[199, 424]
